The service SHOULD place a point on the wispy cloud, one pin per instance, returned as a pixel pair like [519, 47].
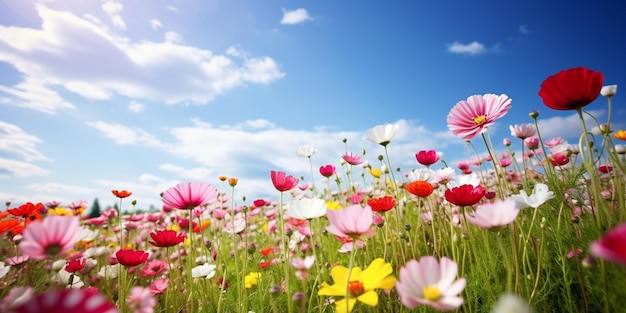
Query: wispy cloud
[14, 140]
[113, 9]
[296, 16]
[169, 71]
[523, 29]
[472, 48]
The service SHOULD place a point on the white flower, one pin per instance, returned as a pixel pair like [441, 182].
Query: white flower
[205, 270]
[620, 149]
[306, 208]
[510, 303]
[109, 271]
[95, 251]
[382, 134]
[87, 234]
[66, 279]
[238, 227]
[471, 179]
[608, 91]
[58, 264]
[306, 151]
[540, 195]
[522, 131]
[421, 174]
[4, 269]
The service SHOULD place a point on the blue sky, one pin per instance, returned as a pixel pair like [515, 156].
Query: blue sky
[141, 95]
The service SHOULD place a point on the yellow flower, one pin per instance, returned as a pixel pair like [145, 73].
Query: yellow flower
[620, 134]
[333, 205]
[60, 211]
[252, 279]
[374, 172]
[361, 285]
[173, 227]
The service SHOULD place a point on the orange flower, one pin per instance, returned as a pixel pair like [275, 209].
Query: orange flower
[620, 134]
[25, 210]
[420, 188]
[223, 177]
[121, 194]
[11, 225]
[233, 181]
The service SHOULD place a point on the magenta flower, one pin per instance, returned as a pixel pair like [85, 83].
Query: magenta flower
[611, 246]
[352, 159]
[68, 300]
[427, 157]
[327, 170]
[158, 286]
[494, 215]
[189, 195]
[283, 182]
[471, 117]
[428, 282]
[54, 236]
[353, 221]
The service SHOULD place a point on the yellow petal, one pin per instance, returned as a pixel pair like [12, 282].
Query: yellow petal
[370, 298]
[388, 283]
[341, 305]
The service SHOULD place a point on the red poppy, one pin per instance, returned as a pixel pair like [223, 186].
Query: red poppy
[265, 264]
[465, 195]
[267, 251]
[131, 257]
[75, 265]
[11, 225]
[283, 182]
[327, 170]
[166, 238]
[420, 188]
[121, 193]
[259, 203]
[571, 89]
[382, 204]
[427, 157]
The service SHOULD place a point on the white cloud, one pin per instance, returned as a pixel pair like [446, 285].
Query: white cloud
[113, 9]
[173, 37]
[296, 16]
[156, 24]
[136, 107]
[566, 126]
[124, 135]
[13, 168]
[172, 8]
[523, 29]
[196, 173]
[473, 48]
[169, 71]
[15, 141]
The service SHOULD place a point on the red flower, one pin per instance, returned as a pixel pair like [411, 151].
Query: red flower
[121, 194]
[265, 264]
[283, 182]
[558, 159]
[28, 211]
[611, 246]
[427, 157]
[166, 238]
[571, 89]
[383, 204]
[131, 257]
[11, 225]
[75, 265]
[267, 251]
[259, 203]
[465, 195]
[327, 170]
[420, 188]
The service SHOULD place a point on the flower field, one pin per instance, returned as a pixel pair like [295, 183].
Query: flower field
[538, 227]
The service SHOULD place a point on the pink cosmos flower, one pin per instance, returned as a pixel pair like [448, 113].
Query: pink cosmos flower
[327, 170]
[531, 143]
[471, 117]
[55, 235]
[158, 286]
[428, 282]
[283, 182]
[141, 300]
[68, 300]
[494, 215]
[352, 159]
[189, 195]
[611, 246]
[154, 268]
[522, 131]
[353, 221]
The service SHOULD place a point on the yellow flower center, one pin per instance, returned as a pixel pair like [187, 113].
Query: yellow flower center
[355, 288]
[431, 293]
[479, 120]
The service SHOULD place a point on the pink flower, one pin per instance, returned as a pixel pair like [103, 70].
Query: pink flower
[158, 286]
[611, 246]
[427, 157]
[54, 236]
[283, 182]
[68, 300]
[154, 268]
[141, 300]
[522, 131]
[494, 215]
[531, 143]
[471, 117]
[303, 264]
[327, 170]
[353, 221]
[428, 282]
[352, 159]
[189, 195]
